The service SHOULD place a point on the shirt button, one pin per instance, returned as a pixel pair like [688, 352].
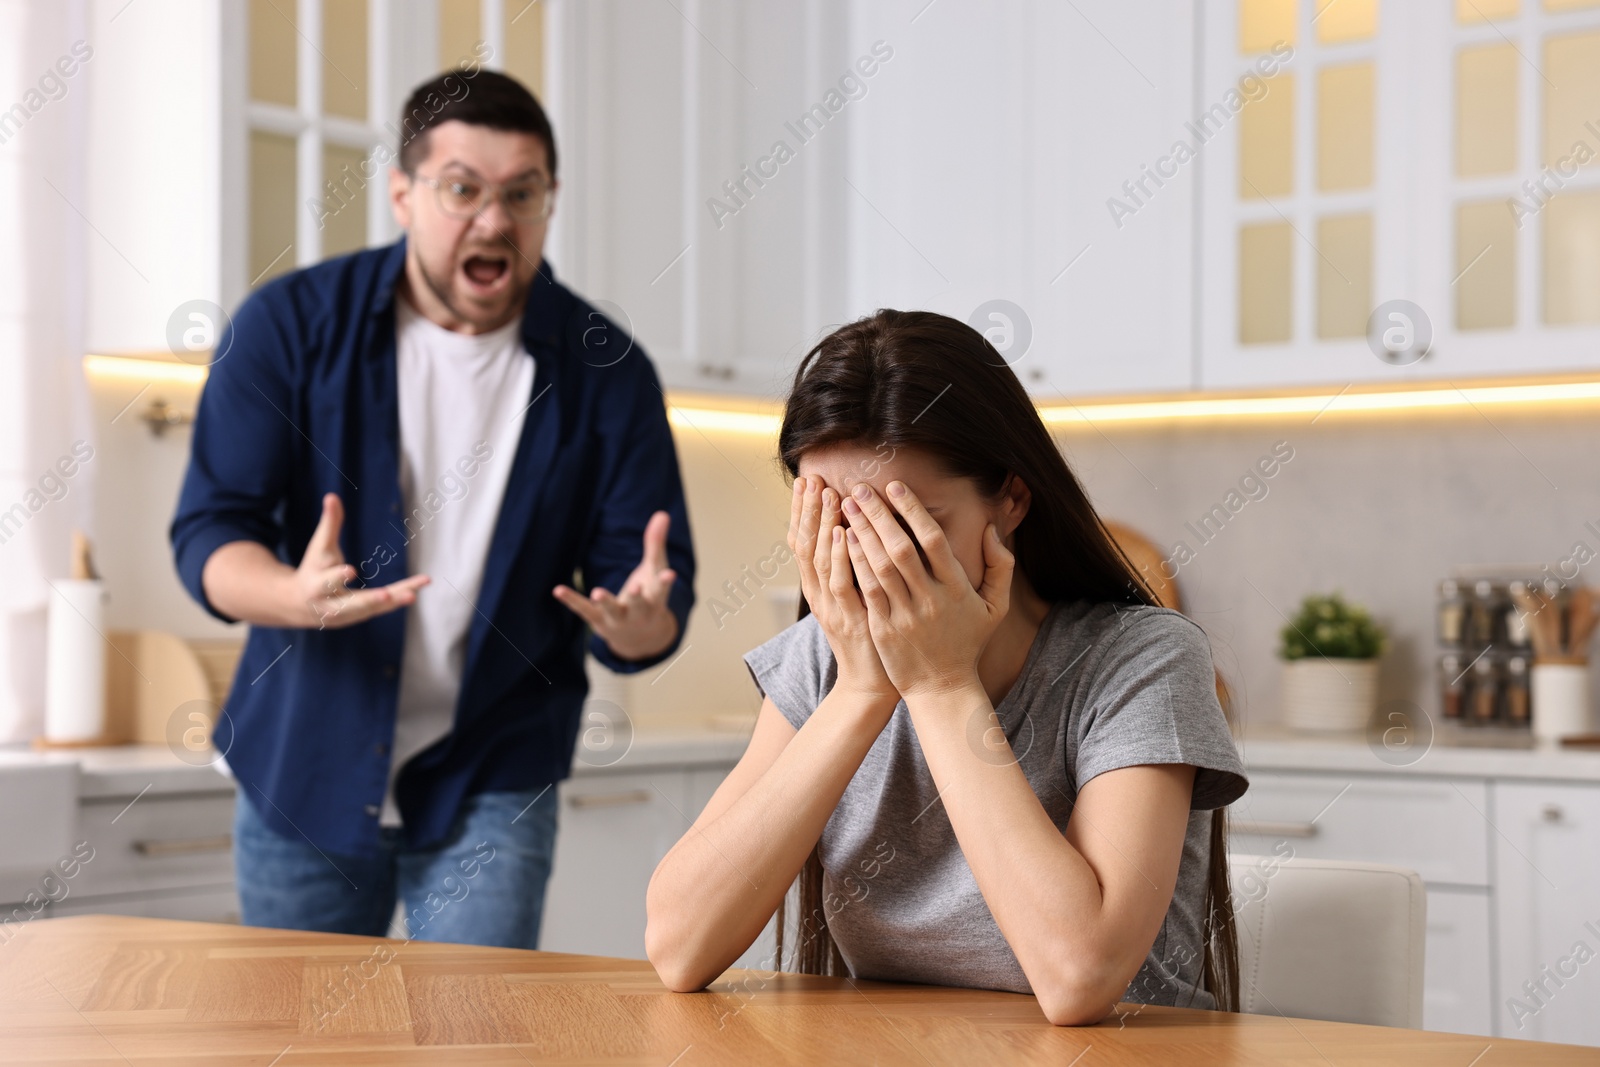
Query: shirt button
[372, 809]
[394, 508]
[389, 671]
[381, 749]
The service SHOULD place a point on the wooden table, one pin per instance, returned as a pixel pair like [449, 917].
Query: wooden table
[115, 990]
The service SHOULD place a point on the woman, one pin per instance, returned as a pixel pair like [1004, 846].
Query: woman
[1004, 762]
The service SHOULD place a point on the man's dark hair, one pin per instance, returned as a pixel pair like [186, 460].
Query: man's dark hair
[477, 97]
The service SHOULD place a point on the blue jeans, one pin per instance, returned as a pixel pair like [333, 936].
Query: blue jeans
[484, 885]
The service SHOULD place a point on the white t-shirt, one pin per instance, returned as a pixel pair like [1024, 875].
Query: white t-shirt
[463, 398]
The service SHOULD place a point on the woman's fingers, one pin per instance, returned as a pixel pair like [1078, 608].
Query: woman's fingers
[930, 535]
[899, 550]
[795, 495]
[884, 568]
[842, 578]
[801, 540]
[827, 521]
[998, 565]
[871, 588]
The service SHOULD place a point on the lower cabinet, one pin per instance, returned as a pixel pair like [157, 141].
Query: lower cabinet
[613, 829]
[1433, 826]
[157, 856]
[1511, 866]
[215, 904]
[1456, 982]
[1547, 910]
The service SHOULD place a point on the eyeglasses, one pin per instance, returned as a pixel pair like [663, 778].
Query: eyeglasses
[464, 196]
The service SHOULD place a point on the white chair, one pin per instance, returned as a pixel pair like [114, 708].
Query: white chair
[1322, 939]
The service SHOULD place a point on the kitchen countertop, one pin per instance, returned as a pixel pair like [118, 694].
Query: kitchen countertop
[1455, 752]
[129, 770]
[719, 740]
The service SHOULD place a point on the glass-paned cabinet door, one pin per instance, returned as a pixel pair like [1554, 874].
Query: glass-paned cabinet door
[1509, 198]
[1302, 231]
[314, 114]
[312, 117]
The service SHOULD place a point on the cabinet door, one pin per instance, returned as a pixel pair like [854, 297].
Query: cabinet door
[1456, 995]
[1547, 913]
[218, 904]
[679, 213]
[998, 185]
[613, 830]
[1436, 827]
[762, 955]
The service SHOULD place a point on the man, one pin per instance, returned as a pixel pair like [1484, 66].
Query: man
[398, 466]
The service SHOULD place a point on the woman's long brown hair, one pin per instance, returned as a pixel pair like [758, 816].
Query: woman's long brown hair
[916, 379]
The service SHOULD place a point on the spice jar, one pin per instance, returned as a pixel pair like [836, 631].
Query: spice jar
[1485, 690]
[1452, 688]
[1452, 613]
[1516, 623]
[1516, 690]
[1488, 605]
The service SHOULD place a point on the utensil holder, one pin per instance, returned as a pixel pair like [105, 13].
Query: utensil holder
[1560, 690]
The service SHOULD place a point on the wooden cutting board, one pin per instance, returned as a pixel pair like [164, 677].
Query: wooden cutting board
[157, 683]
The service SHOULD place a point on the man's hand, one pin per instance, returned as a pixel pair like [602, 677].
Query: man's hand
[320, 584]
[636, 624]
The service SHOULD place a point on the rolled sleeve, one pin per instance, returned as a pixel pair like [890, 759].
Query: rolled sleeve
[640, 478]
[242, 448]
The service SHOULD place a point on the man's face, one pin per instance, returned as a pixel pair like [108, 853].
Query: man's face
[476, 270]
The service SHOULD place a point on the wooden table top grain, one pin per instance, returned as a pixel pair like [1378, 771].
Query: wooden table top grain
[116, 990]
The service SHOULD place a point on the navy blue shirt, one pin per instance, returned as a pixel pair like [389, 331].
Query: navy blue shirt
[302, 401]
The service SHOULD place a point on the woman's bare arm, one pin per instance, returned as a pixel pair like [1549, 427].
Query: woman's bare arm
[1079, 909]
[714, 891]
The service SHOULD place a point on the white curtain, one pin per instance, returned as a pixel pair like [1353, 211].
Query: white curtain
[44, 404]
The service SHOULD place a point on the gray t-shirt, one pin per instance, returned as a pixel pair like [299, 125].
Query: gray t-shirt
[1104, 686]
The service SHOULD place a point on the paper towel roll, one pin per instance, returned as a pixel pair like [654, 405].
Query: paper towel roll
[75, 661]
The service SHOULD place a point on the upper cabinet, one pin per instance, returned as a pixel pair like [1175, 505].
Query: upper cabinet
[702, 190]
[230, 142]
[1020, 167]
[741, 179]
[1399, 191]
[1126, 196]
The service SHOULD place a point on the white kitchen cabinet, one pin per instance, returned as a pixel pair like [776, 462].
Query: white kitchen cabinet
[1435, 827]
[1432, 826]
[1547, 910]
[1455, 119]
[763, 954]
[206, 904]
[676, 214]
[149, 836]
[1456, 995]
[614, 829]
[900, 186]
[160, 842]
[1504, 838]
[997, 184]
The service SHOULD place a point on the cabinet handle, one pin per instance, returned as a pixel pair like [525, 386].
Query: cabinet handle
[609, 800]
[1273, 829]
[1552, 813]
[184, 846]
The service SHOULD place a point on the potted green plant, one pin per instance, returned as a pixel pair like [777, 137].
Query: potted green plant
[1330, 673]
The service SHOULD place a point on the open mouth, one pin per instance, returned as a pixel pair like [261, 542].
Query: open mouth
[487, 270]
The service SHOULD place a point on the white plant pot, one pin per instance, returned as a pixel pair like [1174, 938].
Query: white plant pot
[1329, 694]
